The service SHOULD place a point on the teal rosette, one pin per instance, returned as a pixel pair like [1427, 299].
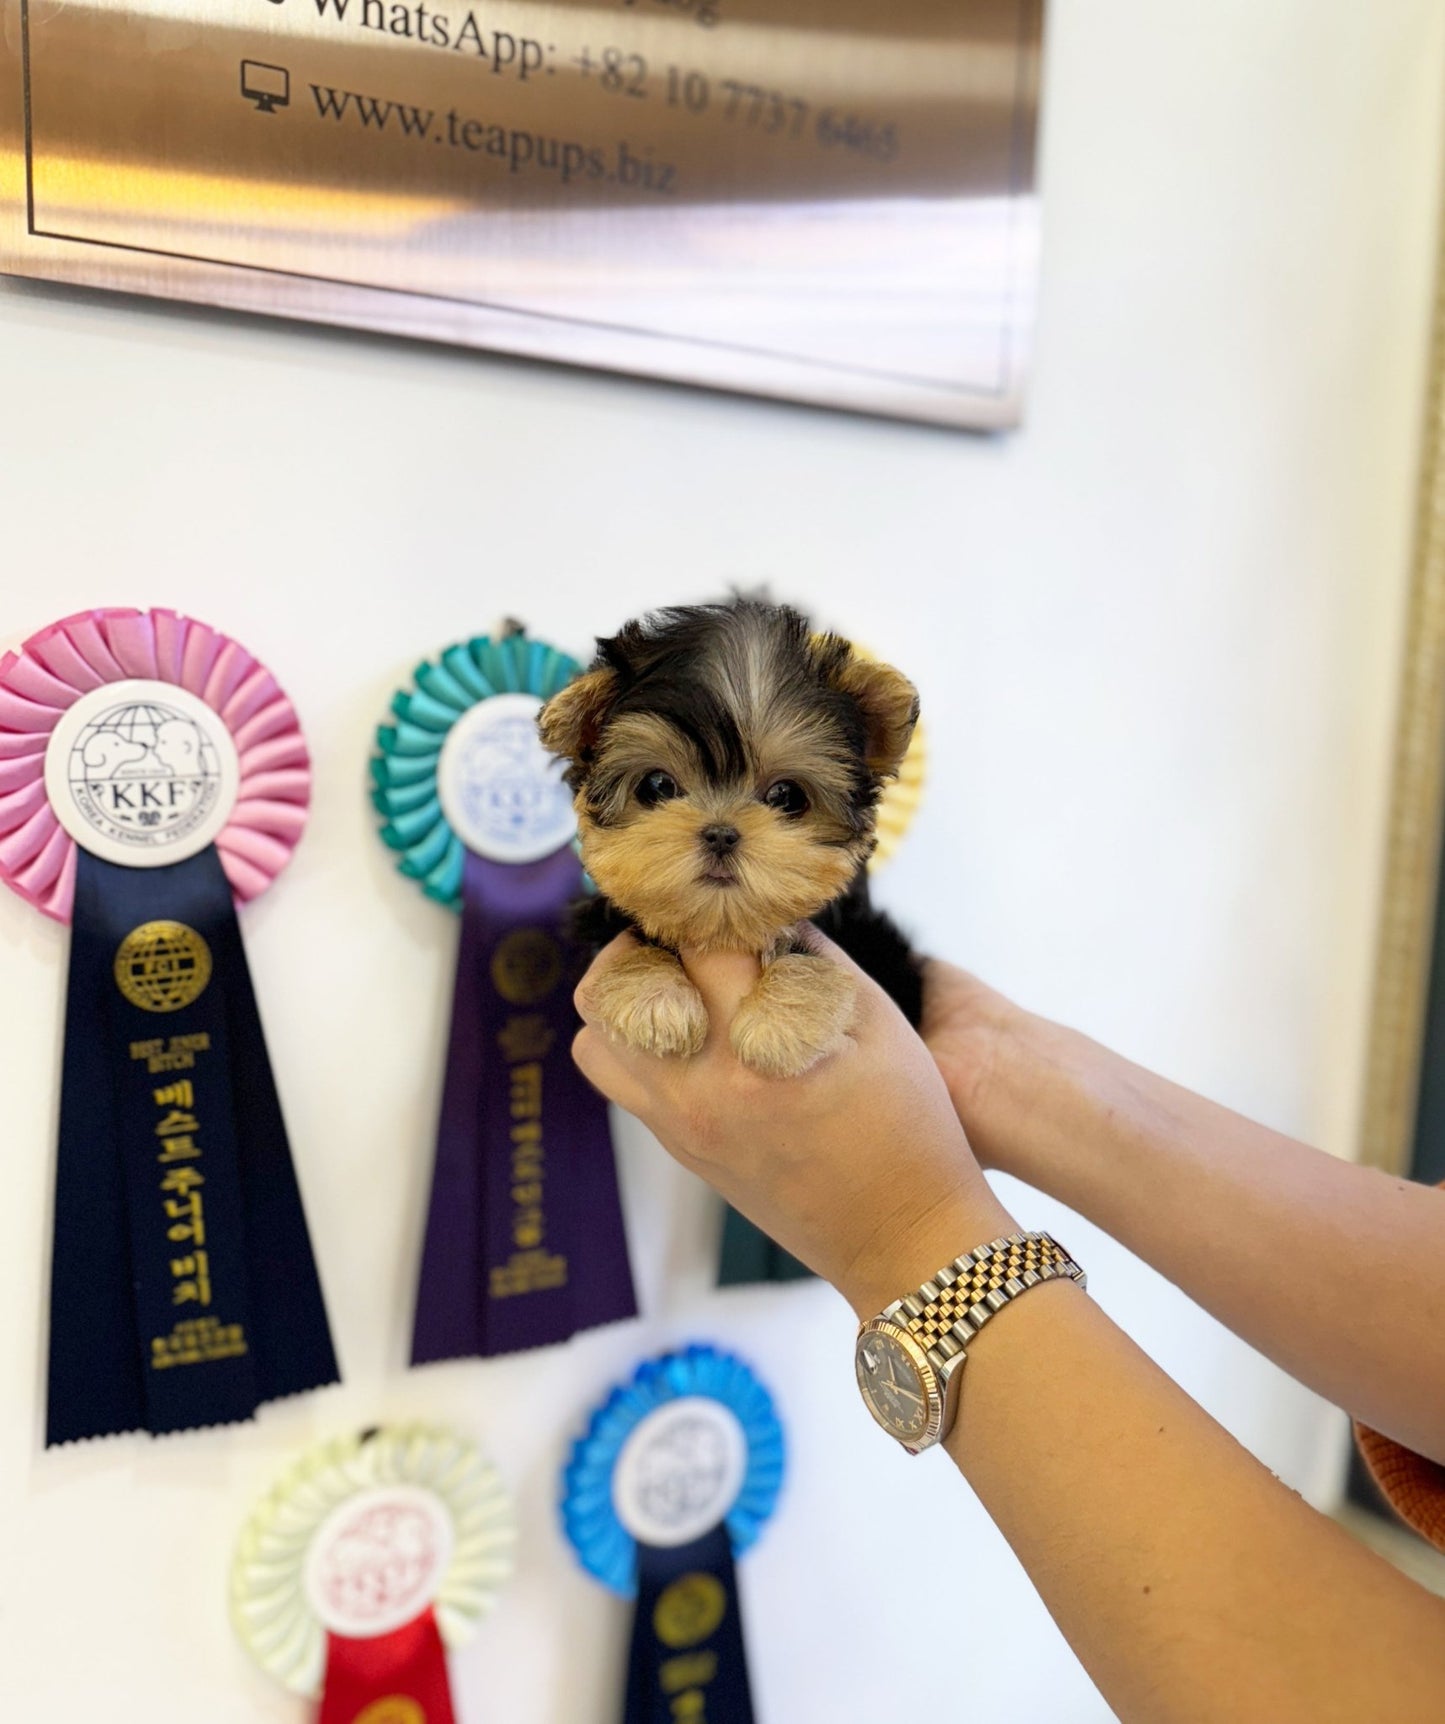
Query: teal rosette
[604, 1546]
[525, 1243]
[404, 769]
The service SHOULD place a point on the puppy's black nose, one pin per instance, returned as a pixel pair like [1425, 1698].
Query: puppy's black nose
[721, 840]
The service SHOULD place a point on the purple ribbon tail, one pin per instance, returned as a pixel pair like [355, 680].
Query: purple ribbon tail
[524, 1242]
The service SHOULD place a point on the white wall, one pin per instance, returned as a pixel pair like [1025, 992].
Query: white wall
[1156, 633]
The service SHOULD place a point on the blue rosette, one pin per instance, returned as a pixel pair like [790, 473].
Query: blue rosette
[404, 769]
[604, 1546]
[677, 1475]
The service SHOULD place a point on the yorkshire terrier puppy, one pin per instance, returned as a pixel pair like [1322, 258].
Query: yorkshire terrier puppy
[727, 765]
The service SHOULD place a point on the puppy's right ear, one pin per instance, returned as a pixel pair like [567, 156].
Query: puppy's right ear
[571, 722]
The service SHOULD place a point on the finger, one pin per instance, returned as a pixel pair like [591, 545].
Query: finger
[611, 954]
[723, 979]
[607, 1070]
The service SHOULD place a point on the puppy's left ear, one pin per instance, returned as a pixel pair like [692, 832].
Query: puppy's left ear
[571, 722]
[890, 709]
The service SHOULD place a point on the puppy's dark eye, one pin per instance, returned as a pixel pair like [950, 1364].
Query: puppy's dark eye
[788, 798]
[657, 787]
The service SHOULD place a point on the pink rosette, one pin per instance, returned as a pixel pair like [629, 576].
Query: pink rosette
[55, 667]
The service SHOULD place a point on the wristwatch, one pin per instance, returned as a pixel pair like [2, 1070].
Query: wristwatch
[909, 1358]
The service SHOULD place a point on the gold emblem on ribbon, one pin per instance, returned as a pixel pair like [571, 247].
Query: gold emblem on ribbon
[526, 967]
[395, 1709]
[690, 1611]
[162, 966]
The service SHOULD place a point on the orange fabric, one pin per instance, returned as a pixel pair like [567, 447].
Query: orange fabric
[1413, 1486]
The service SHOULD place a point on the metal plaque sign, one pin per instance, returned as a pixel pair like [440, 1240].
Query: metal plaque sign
[830, 201]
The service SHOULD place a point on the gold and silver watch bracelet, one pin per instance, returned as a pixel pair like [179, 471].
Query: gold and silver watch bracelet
[945, 1314]
[909, 1359]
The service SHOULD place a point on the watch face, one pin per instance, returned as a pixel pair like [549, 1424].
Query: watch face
[892, 1385]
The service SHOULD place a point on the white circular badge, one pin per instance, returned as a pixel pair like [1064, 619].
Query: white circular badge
[141, 773]
[501, 791]
[378, 1560]
[680, 1472]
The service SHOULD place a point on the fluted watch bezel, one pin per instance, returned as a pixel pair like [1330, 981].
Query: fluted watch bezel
[940, 1388]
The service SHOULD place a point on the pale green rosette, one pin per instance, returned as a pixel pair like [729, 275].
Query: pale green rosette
[271, 1611]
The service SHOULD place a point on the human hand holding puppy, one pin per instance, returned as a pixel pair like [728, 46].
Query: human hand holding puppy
[859, 1167]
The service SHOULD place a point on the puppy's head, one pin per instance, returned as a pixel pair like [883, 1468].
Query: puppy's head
[727, 766]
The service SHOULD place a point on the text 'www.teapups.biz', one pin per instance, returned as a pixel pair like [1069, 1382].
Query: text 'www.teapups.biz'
[510, 149]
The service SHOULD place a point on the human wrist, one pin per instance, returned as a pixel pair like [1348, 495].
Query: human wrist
[911, 1246]
[1026, 1106]
[981, 1042]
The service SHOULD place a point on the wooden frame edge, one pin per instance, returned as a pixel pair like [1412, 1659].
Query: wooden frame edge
[1417, 807]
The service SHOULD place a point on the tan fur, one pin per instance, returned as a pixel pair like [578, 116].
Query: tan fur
[646, 1001]
[790, 746]
[787, 746]
[774, 683]
[651, 861]
[653, 866]
[890, 706]
[797, 1015]
[571, 721]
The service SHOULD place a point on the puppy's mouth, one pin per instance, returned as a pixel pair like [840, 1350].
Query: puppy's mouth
[718, 871]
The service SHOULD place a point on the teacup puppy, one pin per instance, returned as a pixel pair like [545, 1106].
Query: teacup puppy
[727, 765]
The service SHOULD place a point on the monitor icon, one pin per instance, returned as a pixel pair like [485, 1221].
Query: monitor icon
[269, 87]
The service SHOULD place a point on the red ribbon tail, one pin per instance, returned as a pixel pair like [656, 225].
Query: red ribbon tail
[397, 1678]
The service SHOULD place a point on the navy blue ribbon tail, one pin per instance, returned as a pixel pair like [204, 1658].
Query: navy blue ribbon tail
[688, 1657]
[184, 1291]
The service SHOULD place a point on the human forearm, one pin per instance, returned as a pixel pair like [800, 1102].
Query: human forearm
[1156, 1541]
[1192, 1584]
[1313, 1261]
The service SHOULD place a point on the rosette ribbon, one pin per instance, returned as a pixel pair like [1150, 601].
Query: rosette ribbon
[748, 1255]
[677, 1474]
[524, 1238]
[152, 773]
[364, 1563]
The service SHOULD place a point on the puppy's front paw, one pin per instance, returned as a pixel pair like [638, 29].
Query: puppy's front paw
[797, 1015]
[646, 1001]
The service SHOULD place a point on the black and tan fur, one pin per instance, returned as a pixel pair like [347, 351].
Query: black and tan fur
[727, 765]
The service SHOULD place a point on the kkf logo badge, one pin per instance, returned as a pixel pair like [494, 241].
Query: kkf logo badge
[143, 774]
[500, 790]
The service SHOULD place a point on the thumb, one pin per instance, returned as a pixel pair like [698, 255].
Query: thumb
[723, 979]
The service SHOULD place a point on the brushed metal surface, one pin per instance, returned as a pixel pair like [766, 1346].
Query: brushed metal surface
[826, 200]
